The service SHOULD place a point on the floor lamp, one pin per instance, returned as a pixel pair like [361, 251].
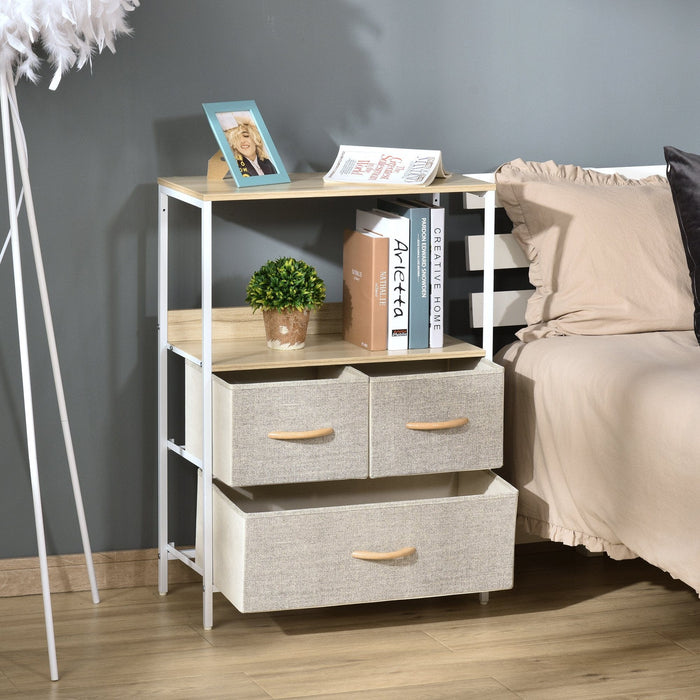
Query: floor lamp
[80, 25]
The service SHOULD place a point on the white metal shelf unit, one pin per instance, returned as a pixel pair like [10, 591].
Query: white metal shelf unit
[202, 193]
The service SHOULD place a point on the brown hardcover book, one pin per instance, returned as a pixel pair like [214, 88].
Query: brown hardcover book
[365, 289]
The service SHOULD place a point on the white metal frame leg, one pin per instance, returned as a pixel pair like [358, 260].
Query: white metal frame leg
[207, 447]
[489, 236]
[26, 379]
[162, 392]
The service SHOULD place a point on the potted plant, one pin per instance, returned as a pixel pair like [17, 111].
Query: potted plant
[286, 290]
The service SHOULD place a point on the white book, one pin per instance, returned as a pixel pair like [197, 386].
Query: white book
[396, 229]
[437, 276]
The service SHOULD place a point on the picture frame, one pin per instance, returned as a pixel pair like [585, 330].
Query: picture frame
[245, 143]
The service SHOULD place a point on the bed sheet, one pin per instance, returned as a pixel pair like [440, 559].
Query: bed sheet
[602, 439]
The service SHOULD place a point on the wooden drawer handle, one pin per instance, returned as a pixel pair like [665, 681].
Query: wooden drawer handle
[382, 556]
[440, 425]
[300, 434]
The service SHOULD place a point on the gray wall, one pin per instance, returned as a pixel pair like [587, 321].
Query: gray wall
[602, 82]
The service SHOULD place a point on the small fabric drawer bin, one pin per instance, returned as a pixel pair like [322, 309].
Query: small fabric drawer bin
[282, 426]
[435, 417]
[285, 547]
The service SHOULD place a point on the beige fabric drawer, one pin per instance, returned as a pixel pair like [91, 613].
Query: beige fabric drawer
[279, 548]
[433, 393]
[248, 406]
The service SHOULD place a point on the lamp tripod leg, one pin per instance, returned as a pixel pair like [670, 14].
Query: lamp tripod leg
[51, 338]
[26, 381]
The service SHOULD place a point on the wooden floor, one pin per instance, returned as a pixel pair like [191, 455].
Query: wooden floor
[573, 627]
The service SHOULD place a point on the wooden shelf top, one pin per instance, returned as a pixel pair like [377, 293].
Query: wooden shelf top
[308, 185]
[238, 342]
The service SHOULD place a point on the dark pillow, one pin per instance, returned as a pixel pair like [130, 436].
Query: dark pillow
[683, 171]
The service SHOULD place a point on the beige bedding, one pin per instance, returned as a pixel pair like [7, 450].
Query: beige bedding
[603, 442]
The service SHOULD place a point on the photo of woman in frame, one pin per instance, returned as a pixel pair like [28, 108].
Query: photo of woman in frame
[247, 143]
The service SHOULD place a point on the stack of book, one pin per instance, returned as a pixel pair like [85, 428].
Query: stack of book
[393, 272]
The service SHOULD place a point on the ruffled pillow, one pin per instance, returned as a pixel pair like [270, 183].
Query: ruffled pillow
[604, 250]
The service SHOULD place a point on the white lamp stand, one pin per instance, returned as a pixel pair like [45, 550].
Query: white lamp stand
[11, 124]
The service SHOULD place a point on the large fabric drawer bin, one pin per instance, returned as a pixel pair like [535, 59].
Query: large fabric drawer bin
[418, 411]
[278, 548]
[261, 421]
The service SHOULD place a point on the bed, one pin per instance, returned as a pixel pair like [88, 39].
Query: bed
[602, 405]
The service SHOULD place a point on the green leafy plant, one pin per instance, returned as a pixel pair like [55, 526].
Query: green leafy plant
[285, 283]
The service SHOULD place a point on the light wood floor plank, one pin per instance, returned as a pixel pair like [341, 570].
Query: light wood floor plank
[6, 687]
[477, 689]
[671, 691]
[540, 627]
[595, 667]
[175, 674]
[686, 634]
[263, 648]
[212, 686]
[365, 675]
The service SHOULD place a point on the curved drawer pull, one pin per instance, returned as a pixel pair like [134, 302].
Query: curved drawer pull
[300, 434]
[440, 425]
[382, 556]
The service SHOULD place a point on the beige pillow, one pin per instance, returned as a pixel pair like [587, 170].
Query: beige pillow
[605, 252]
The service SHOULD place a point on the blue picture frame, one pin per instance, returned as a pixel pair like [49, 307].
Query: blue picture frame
[245, 143]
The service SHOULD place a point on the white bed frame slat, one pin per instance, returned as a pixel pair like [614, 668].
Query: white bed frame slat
[506, 251]
[508, 308]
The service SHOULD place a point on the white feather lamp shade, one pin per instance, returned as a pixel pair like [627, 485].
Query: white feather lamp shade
[70, 31]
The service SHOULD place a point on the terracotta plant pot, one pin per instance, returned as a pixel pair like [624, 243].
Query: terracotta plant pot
[286, 330]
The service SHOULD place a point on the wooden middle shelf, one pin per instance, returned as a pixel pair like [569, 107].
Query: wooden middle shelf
[238, 342]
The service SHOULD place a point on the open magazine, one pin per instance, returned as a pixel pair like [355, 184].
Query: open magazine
[385, 166]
